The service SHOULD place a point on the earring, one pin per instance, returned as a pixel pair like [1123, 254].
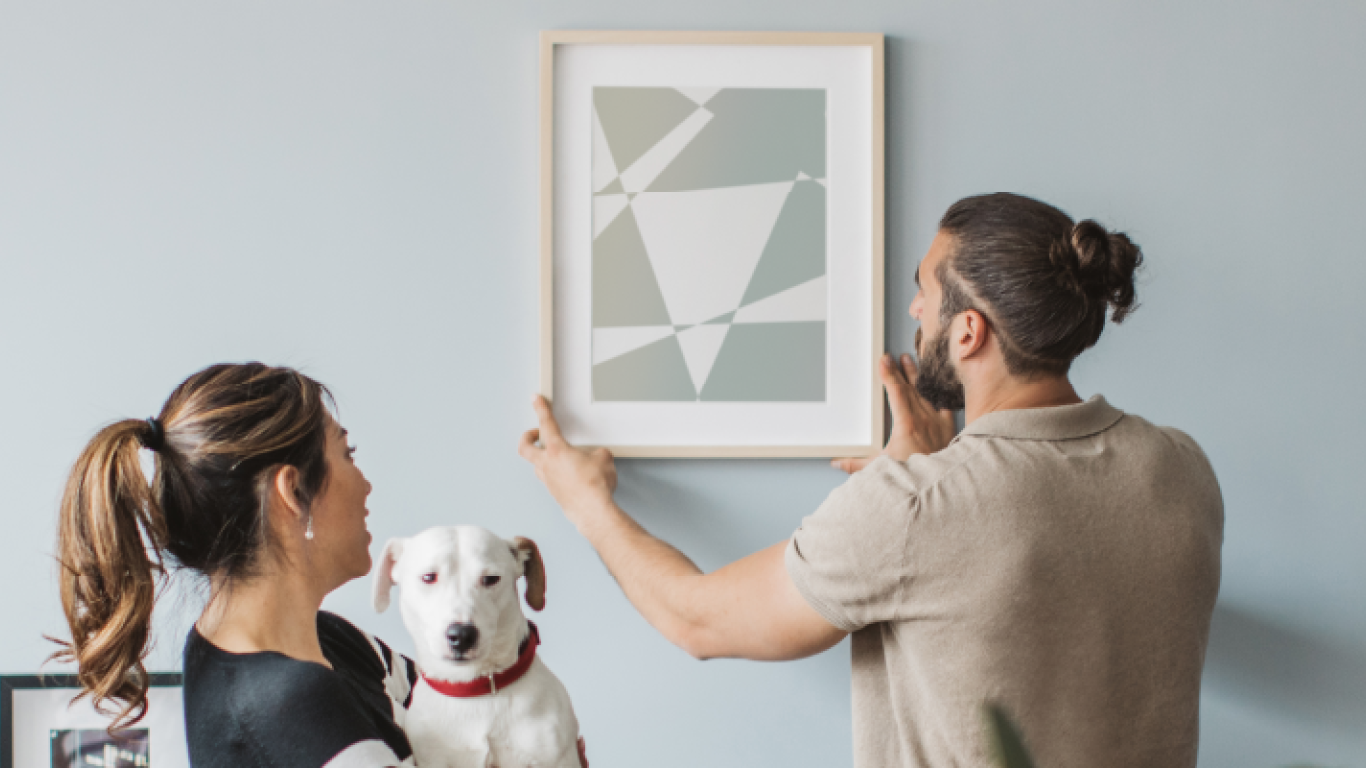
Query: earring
[308, 532]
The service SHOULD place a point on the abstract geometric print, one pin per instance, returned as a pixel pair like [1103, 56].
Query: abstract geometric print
[709, 244]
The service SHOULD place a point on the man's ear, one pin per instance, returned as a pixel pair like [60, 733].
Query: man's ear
[384, 573]
[533, 569]
[971, 338]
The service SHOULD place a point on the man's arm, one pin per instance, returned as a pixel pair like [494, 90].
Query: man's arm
[749, 609]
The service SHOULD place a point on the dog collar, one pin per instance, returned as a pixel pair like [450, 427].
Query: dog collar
[489, 684]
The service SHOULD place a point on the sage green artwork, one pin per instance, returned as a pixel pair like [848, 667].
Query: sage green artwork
[709, 244]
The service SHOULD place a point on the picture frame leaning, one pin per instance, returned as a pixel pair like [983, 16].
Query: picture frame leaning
[40, 725]
[712, 241]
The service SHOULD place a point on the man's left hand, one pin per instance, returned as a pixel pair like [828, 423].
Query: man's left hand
[917, 427]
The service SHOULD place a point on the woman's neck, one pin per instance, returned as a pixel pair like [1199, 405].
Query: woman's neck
[277, 610]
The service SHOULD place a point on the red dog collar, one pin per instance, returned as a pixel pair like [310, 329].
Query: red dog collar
[484, 686]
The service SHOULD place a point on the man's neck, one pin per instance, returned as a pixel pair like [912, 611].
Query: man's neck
[1010, 393]
[275, 611]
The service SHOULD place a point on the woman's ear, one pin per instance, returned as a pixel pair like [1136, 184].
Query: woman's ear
[533, 569]
[286, 486]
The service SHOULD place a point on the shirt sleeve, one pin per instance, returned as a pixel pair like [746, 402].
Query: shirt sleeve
[849, 558]
[371, 658]
[400, 673]
[368, 754]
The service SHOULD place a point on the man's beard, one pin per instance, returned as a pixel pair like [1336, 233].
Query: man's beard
[937, 381]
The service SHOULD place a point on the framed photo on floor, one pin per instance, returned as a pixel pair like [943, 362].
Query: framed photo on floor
[41, 727]
[712, 241]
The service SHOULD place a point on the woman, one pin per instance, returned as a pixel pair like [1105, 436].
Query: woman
[256, 489]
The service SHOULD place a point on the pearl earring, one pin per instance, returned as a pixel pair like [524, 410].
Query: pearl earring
[308, 532]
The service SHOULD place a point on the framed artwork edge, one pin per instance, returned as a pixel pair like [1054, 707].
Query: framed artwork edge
[876, 42]
[11, 683]
[739, 451]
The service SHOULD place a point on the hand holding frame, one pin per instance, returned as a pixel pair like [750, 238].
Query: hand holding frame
[917, 427]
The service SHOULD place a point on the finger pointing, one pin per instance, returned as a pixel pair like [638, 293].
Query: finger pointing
[550, 429]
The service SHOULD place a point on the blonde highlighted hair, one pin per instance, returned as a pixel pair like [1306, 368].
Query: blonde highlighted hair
[217, 441]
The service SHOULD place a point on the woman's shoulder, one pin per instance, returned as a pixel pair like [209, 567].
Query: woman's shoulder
[220, 679]
[344, 642]
[271, 707]
[361, 653]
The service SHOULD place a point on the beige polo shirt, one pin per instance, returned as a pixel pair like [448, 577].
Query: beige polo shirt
[1062, 562]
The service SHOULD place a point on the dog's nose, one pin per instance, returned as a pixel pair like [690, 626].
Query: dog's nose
[462, 637]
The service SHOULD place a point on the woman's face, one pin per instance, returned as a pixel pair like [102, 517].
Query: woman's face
[341, 543]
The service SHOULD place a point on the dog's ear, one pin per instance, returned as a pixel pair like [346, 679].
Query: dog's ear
[533, 569]
[384, 573]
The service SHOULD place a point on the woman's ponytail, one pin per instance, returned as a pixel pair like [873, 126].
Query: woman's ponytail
[218, 436]
[110, 541]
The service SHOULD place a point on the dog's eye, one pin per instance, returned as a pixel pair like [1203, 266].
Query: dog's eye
[429, 578]
[490, 580]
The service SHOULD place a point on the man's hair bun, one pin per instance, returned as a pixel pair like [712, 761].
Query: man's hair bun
[1104, 263]
[1046, 282]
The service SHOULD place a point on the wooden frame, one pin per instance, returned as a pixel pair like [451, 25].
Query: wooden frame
[9, 684]
[549, 41]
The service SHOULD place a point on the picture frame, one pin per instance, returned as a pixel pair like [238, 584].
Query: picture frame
[41, 725]
[690, 173]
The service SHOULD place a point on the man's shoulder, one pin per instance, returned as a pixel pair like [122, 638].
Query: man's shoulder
[1169, 443]
[922, 471]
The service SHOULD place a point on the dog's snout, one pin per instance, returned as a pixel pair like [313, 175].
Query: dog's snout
[462, 637]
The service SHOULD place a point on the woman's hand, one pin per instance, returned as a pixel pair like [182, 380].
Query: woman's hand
[916, 427]
[582, 481]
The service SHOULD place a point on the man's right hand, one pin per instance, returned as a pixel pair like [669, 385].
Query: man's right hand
[582, 481]
[916, 426]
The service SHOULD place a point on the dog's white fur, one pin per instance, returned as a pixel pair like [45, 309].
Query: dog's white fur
[528, 723]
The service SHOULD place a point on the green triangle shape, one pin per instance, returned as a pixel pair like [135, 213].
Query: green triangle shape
[614, 188]
[679, 328]
[721, 319]
[655, 372]
[795, 252]
[756, 136]
[625, 290]
[635, 119]
[769, 362]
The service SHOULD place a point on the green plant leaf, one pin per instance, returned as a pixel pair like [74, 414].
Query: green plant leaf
[1003, 739]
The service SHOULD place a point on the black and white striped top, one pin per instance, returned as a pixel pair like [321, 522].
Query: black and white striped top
[266, 709]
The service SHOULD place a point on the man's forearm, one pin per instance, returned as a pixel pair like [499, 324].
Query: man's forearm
[749, 609]
[661, 582]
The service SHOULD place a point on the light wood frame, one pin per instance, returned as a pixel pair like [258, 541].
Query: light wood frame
[875, 42]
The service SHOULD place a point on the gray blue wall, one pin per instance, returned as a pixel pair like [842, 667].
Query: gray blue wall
[350, 187]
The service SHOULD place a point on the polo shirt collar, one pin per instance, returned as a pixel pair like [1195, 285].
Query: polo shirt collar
[1059, 422]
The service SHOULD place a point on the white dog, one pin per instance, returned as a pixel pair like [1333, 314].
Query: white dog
[485, 699]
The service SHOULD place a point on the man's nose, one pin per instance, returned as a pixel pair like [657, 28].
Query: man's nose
[462, 637]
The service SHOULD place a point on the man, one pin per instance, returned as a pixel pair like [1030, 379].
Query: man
[1059, 558]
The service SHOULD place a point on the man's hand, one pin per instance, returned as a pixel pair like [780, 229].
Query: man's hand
[582, 481]
[748, 609]
[916, 427]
